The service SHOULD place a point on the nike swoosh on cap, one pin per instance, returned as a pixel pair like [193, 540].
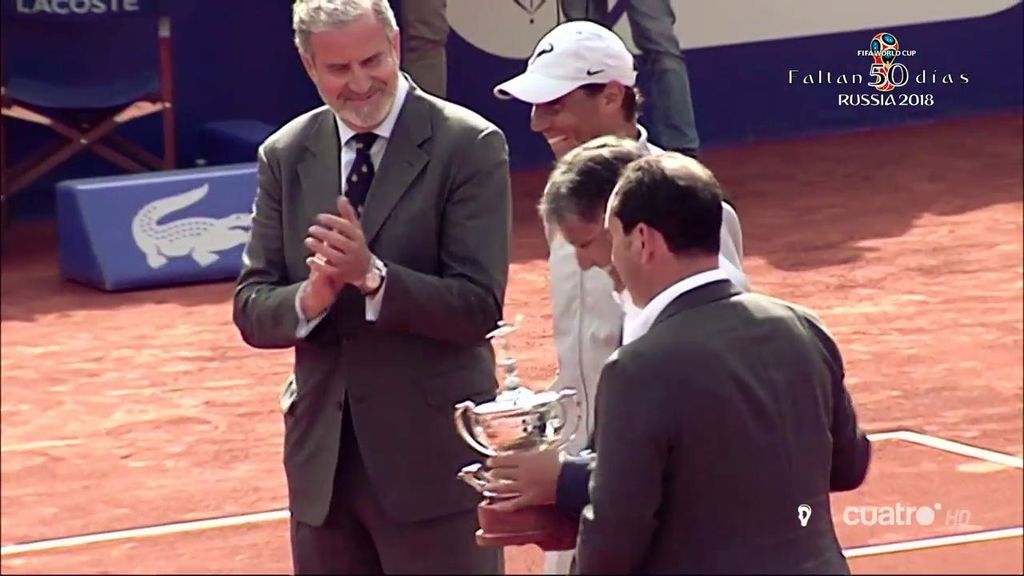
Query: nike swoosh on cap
[546, 50]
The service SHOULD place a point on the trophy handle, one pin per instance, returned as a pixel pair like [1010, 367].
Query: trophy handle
[564, 395]
[460, 426]
[474, 476]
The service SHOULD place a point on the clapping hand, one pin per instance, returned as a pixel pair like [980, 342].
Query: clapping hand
[340, 256]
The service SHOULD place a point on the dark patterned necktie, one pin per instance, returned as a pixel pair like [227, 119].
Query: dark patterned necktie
[360, 175]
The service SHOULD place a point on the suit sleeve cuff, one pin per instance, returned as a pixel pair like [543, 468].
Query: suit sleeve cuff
[572, 494]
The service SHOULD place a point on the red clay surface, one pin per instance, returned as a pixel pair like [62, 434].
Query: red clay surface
[903, 474]
[998, 557]
[124, 410]
[980, 496]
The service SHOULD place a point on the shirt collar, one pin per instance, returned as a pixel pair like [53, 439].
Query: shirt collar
[643, 321]
[388, 125]
[645, 144]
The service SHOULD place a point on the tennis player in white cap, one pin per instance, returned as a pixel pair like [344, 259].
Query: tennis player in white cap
[581, 82]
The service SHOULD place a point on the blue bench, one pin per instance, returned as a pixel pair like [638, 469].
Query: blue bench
[156, 228]
[232, 141]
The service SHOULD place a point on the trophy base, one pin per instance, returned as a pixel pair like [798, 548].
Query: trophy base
[545, 526]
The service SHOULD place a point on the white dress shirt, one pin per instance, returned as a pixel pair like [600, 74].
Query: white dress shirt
[642, 322]
[348, 156]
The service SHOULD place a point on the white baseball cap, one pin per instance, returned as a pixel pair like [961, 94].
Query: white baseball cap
[570, 55]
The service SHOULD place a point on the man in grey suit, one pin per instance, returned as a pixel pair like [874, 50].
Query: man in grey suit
[380, 253]
[723, 421]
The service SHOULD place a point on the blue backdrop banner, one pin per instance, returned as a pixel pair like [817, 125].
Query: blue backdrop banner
[759, 69]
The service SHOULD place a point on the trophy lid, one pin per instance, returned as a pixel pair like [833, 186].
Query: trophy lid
[517, 400]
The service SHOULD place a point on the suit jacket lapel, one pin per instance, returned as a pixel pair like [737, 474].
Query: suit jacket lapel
[699, 296]
[403, 159]
[320, 171]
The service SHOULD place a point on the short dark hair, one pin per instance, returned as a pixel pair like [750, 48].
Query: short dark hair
[631, 99]
[684, 205]
[583, 179]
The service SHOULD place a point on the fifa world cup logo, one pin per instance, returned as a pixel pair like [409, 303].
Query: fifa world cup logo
[884, 49]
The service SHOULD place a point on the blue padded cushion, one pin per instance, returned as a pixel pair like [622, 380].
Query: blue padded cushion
[232, 141]
[155, 229]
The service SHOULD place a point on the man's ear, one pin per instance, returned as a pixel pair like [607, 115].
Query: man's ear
[651, 241]
[642, 234]
[309, 65]
[613, 95]
[396, 46]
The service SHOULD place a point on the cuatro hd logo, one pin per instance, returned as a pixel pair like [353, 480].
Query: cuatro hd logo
[891, 68]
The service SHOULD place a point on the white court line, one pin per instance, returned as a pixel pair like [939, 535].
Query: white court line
[161, 530]
[950, 446]
[906, 435]
[39, 445]
[876, 437]
[879, 436]
[925, 543]
[195, 526]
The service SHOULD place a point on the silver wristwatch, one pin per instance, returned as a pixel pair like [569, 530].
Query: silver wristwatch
[374, 278]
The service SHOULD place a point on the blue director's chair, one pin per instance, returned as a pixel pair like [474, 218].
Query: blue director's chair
[83, 73]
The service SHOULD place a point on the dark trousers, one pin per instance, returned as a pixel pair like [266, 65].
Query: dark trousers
[359, 537]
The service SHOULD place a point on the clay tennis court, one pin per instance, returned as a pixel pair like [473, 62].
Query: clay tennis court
[123, 411]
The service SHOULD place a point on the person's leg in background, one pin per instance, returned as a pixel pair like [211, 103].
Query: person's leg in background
[424, 25]
[671, 121]
[594, 10]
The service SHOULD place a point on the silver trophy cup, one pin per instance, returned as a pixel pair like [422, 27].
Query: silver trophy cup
[518, 419]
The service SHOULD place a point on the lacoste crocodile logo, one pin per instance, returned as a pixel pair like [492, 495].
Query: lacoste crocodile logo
[199, 237]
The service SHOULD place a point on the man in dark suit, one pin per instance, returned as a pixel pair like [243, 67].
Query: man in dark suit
[723, 421]
[380, 253]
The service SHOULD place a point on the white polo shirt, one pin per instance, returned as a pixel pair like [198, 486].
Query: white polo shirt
[588, 315]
